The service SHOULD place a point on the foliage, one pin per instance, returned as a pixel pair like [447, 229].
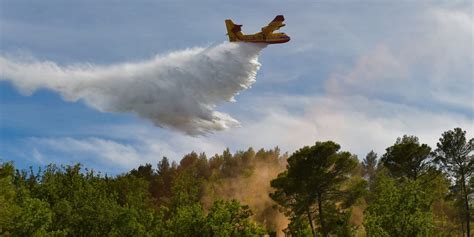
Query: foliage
[399, 209]
[319, 192]
[71, 201]
[187, 221]
[231, 219]
[313, 182]
[21, 214]
[454, 156]
[369, 165]
[407, 158]
[298, 227]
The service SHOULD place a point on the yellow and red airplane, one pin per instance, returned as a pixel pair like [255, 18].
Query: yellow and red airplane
[265, 36]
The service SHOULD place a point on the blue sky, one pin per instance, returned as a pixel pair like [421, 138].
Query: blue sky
[361, 73]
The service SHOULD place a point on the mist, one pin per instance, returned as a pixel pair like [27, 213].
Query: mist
[179, 90]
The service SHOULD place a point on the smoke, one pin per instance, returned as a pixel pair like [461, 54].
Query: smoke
[253, 190]
[179, 90]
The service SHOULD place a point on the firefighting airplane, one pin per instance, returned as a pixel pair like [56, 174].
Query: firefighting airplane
[265, 36]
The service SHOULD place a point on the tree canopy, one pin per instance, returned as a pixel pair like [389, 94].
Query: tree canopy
[313, 183]
[407, 158]
[454, 156]
[318, 190]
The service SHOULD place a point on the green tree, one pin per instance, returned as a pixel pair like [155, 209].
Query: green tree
[85, 203]
[453, 154]
[188, 220]
[34, 218]
[398, 209]
[369, 165]
[144, 171]
[21, 214]
[314, 180]
[8, 207]
[407, 157]
[161, 186]
[186, 190]
[298, 227]
[229, 218]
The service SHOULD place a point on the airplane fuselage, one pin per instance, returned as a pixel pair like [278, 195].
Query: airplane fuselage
[276, 38]
[267, 35]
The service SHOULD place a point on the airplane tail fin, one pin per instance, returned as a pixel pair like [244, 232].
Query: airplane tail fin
[233, 31]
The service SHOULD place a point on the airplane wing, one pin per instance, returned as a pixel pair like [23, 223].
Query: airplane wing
[276, 24]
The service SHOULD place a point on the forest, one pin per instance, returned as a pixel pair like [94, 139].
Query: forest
[319, 190]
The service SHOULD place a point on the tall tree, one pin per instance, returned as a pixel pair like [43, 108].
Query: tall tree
[160, 188]
[370, 165]
[453, 154]
[312, 181]
[407, 157]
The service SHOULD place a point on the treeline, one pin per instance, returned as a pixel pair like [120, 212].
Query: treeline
[411, 190]
[189, 198]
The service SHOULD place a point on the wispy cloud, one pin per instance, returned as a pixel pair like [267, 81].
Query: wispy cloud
[104, 151]
[431, 70]
[357, 123]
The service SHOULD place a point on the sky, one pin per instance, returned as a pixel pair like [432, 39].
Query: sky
[360, 73]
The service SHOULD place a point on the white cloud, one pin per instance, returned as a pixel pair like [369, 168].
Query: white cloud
[357, 123]
[429, 69]
[104, 151]
[38, 156]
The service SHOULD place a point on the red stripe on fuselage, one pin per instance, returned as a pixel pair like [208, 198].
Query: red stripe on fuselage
[279, 41]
